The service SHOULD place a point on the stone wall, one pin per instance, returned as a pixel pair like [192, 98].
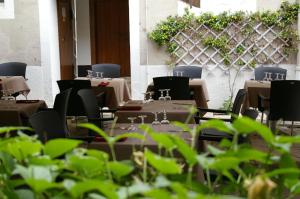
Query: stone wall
[20, 37]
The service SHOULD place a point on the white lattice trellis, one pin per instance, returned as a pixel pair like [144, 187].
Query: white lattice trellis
[260, 45]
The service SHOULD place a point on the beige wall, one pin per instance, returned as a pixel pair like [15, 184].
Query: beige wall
[20, 37]
[270, 4]
[151, 13]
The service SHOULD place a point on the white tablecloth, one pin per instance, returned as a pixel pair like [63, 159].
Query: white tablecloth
[14, 84]
[119, 84]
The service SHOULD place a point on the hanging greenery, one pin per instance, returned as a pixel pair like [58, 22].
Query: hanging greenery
[231, 50]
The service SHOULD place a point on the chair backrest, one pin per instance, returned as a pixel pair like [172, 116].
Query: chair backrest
[13, 69]
[259, 72]
[109, 70]
[179, 87]
[238, 101]
[82, 70]
[48, 125]
[90, 103]
[284, 100]
[75, 105]
[61, 105]
[188, 71]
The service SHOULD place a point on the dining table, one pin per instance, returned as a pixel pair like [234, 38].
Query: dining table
[116, 89]
[14, 84]
[125, 148]
[255, 88]
[175, 110]
[17, 112]
[198, 90]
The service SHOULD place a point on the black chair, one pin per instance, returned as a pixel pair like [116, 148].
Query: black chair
[179, 87]
[284, 101]
[93, 112]
[13, 69]
[75, 105]
[49, 125]
[216, 135]
[188, 71]
[82, 70]
[109, 70]
[259, 72]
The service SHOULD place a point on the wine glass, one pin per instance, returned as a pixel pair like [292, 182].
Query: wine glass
[165, 120]
[270, 77]
[25, 94]
[90, 74]
[155, 122]
[142, 117]
[97, 75]
[16, 94]
[161, 94]
[177, 73]
[101, 75]
[151, 93]
[131, 127]
[277, 76]
[266, 77]
[282, 76]
[167, 97]
[181, 73]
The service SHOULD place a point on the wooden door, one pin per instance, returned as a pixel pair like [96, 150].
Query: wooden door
[65, 29]
[110, 33]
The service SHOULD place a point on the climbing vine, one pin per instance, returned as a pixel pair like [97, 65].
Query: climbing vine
[231, 51]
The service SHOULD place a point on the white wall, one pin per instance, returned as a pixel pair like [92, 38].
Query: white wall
[83, 33]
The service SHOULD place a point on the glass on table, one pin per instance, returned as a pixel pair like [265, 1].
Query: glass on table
[277, 76]
[282, 76]
[145, 97]
[142, 117]
[90, 74]
[156, 122]
[25, 94]
[165, 120]
[181, 73]
[167, 97]
[151, 93]
[131, 127]
[98, 75]
[161, 94]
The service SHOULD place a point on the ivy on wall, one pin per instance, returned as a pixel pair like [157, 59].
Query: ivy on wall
[230, 39]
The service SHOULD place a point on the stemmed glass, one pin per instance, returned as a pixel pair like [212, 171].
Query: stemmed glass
[131, 127]
[97, 75]
[282, 76]
[181, 73]
[165, 120]
[161, 94]
[155, 122]
[268, 76]
[90, 74]
[177, 73]
[142, 117]
[151, 93]
[101, 75]
[145, 98]
[167, 97]
[25, 94]
[277, 76]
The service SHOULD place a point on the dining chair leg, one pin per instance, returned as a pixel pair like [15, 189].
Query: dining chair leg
[262, 117]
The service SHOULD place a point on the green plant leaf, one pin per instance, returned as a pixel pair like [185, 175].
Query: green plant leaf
[120, 169]
[128, 135]
[86, 166]
[58, 147]
[25, 194]
[96, 129]
[40, 185]
[9, 129]
[215, 124]
[163, 140]
[22, 149]
[102, 156]
[158, 194]
[163, 165]
[106, 188]
[185, 150]
[244, 125]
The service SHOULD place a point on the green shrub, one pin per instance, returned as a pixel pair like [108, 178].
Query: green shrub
[61, 169]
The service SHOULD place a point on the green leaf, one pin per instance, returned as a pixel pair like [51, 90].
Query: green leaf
[163, 140]
[96, 129]
[183, 126]
[185, 150]
[248, 154]
[102, 156]
[224, 163]
[128, 135]
[158, 194]
[58, 147]
[86, 166]
[244, 125]
[25, 194]
[163, 165]
[7, 162]
[283, 171]
[23, 149]
[106, 188]
[215, 124]
[40, 185]
[120, 169]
